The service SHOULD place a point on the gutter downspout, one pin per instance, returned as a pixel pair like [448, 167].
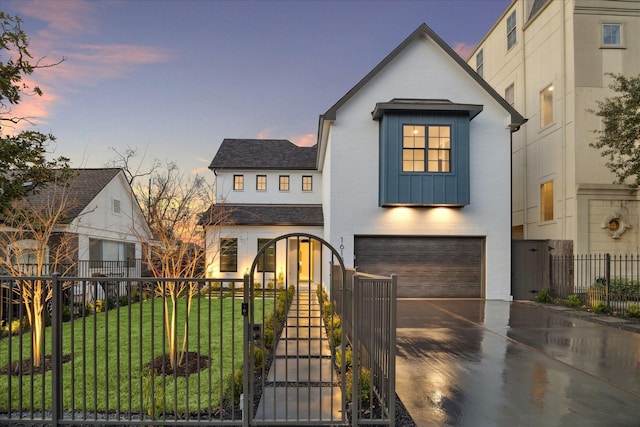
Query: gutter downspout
[563, 122]
[525, 217]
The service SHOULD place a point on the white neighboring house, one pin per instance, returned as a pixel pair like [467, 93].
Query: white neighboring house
[411, 174]
[550, 59]
[105, 221]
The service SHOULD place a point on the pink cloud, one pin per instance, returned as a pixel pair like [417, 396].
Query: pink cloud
[304, 140]
[463, 49]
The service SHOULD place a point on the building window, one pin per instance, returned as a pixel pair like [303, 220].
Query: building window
[546, 201]
[110, 253]
[439, 153]
[511, 30]
[228, 255]
[546, 106]
[611, 34]
[480, 63]
[413, 145]
[261, 182]
[116, 206]
[238, 182]
[267, 261]
[509, 95]
[284, 183]
[307, 183]
[414, 140]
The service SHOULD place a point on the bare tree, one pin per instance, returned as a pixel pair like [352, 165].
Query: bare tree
[132, 166]
[35, 241]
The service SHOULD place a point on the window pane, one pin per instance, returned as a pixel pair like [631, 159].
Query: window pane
[267, 261]
[546, 106]
[439, 149]
[307, 183]
[511, 30]
[261, 182]
[546, 201]
[480, 62]
[228, 254]
[284, 183]
[611, 34]
[238, 182]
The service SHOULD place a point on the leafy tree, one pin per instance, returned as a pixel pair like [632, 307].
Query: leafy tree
[24, 166]
[619, 138]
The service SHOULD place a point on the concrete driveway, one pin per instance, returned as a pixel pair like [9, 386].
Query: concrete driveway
[496, 363]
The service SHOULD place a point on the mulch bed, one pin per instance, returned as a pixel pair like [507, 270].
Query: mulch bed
[26, 367]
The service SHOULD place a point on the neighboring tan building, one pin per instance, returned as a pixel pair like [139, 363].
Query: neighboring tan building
[550, 59]
[406, 177]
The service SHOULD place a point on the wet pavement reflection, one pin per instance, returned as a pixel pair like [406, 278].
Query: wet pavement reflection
[496, 363]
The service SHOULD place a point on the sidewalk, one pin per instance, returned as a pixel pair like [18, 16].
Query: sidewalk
[631, 325]
[302, 384]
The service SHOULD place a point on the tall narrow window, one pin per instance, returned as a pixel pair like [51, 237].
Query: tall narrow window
[480, 63]
[238, 182]
[546, 201]
[228, 254]
[439, 152]
[611, 34]
[116, 206]
[546, 106]
[267, 261]
[307, 183]
[284, 183]
[511, 30]
[509, 95]
[413, 145]
[261, 182]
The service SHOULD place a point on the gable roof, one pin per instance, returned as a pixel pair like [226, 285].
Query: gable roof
[263, 154]
[422, 31]
[84, 185]
[260, 214]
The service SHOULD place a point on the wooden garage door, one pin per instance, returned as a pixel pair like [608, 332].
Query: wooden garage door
[427, 267]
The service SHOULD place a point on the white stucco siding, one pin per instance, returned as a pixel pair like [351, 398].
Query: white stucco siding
[272, 195]
[422, 70]
[99, 220]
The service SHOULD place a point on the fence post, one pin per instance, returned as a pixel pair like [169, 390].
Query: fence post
[607, 276]
[246, 398]
[355, 350]
[56, 349]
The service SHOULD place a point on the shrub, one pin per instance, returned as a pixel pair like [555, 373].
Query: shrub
[233, 386]
[152, 394]
[364, 384]
[544, 296]
[98, 307]
[601, 307]
[574, 301]
[258, 359]
[620, 289]
[633, 310]
[270, 284]
[123, 301]
[348, 361]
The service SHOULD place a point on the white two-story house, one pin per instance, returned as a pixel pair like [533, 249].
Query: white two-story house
[410, 175]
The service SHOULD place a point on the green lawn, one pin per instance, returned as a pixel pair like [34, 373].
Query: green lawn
[110, 350]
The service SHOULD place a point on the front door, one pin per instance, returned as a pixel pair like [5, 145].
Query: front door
[305, 261]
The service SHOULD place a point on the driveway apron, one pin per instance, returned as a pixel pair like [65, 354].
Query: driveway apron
[496, 363]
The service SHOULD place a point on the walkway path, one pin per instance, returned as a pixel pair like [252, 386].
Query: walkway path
[302, 384]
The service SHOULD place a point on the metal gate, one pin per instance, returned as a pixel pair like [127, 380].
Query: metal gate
[293, 375]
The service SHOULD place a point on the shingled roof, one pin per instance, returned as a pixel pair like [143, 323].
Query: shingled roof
[84, 186]
[263, 154]
[250, 214]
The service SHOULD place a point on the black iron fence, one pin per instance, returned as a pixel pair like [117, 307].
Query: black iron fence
[147, 355]
[613, 280]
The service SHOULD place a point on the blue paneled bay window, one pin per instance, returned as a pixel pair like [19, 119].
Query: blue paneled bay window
[424, 152]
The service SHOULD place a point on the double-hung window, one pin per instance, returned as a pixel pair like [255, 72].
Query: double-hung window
[307, 183]
[238, 182]
[480, 63]
[284, 183]
[546, 201]
[511, 30]
[261, 182]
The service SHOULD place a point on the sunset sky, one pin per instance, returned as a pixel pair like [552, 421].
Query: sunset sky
[175, 78]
